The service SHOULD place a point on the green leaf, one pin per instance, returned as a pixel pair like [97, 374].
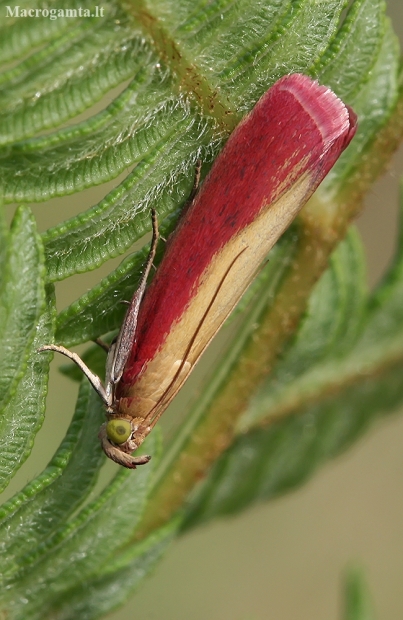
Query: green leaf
[4, 241]
[247, 62]
[82, 548]
[122, 217]
[353, 53]
[101, 594]
[358, 604]
[60, 80]
[19, 35]
[25, 324]
[22, 300]
[59, 489]
[373, 102]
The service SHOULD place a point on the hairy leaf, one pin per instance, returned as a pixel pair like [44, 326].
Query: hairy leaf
[36, 512]
[82, 547]
[24, 325]
[105, 591]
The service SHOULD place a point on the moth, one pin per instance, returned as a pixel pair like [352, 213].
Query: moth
[270, 166]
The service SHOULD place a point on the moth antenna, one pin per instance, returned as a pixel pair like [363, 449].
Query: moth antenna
[92, 377]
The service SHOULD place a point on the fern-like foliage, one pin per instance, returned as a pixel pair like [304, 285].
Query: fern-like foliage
[187, 72]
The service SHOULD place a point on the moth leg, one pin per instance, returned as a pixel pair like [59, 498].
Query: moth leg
[138, 296]
[196, 183]
[92, 378]
[153, 247]
[196, 180]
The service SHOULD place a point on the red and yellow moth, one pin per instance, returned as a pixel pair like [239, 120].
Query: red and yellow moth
[268, 169]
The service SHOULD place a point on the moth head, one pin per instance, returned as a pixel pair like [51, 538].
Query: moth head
[118, 441]
[119, 430]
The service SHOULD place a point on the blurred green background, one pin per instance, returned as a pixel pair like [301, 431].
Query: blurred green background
[284, 559]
